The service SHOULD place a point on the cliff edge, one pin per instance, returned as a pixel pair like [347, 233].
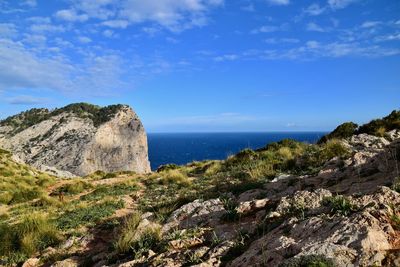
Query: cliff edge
[79, 139]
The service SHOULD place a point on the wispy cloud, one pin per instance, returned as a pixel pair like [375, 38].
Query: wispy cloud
[315, 27]
[370, 24]
[279, 2]
[281, 40]
[270, 28]
[7, 30]
[71, 15]
[314, 10]
[174, 15]
[228, 57]
[339, 4]
[26, 100]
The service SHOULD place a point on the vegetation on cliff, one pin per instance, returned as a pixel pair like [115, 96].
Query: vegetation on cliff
[26, 119]
[376, 127]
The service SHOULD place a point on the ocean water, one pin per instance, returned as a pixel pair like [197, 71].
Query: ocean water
[182, 148]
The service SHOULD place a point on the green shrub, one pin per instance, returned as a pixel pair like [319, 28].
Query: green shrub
[376, 127]
[88, 215]
[230, 206]
[175, 177]
[34, 233]
[167, 167]
[75, 187]
[334, 148]
[110, 190]
[309, 261]
[344, 130]
[24, 194]
[395, 221]
[339, 205]
[149, 238]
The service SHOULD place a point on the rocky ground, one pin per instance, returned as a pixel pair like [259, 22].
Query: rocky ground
[346, 215]
[287, 204]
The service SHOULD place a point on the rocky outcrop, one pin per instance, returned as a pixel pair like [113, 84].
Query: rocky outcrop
[78, 139]
[344, 216]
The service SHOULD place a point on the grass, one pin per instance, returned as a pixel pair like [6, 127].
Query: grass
[33, 233]
[230, 205]
[76, 187]
[112, 190]
[127, 233]
[88, 215]
[339, 205]
[174, 176]
[309, 261]
[137, 241]
[149, 238]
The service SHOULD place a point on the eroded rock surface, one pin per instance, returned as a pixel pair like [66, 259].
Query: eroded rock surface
[77, 144]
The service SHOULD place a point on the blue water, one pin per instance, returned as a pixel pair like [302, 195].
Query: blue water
[182, 148]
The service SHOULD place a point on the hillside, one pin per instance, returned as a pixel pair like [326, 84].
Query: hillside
[287, 204]
[78, 139]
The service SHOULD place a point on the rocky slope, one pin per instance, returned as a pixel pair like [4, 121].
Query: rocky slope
[287, 204]
[79, 139]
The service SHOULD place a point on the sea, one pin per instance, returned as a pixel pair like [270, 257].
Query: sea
[183, 148]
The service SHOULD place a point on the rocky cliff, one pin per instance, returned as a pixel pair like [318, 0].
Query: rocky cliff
[79, 139]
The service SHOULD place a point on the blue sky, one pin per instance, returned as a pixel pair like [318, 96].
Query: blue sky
[205, 65]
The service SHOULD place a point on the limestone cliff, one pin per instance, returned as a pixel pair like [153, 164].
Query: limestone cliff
[79, 138]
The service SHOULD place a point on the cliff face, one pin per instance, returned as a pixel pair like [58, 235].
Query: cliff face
[79, 139]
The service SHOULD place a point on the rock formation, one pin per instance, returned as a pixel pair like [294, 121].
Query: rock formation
[79, 139]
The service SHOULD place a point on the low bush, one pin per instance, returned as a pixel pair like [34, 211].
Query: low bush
[230, 206]
[339, 205]
[175, 177]
[309, 261]
[127, 233]
[33, 233]
[88, 215]
[74, 188]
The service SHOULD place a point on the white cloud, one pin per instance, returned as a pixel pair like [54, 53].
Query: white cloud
[71, 15]
[229, 57]
[35, 39]
[314, 10]
[314, 27]
[108, 33]
[30, 3]
[39, 20]
[279, 2]
[23, 68]
[84, 39]
[116, 23]
[99, 9]
[389, 37]
[270, 28]
[26, 100]
[370, 24]
[281, 40]
[175, 15]
[339, 4]
[41, 28]
[7, 30]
